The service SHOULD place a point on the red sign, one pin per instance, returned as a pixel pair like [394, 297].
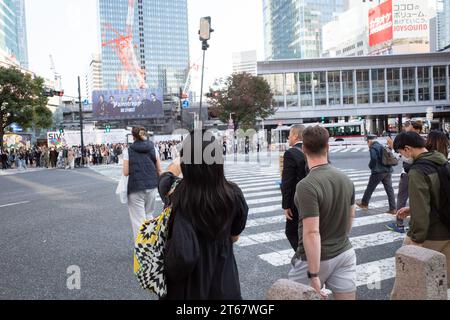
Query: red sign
[380, 23]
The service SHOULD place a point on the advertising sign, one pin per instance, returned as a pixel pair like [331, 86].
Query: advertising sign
[380, 23]
[16, 141]
[411, 19]
[55, 139]
[127, 104]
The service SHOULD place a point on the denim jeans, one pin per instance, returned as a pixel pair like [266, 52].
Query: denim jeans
[402, 196]
[374, 180]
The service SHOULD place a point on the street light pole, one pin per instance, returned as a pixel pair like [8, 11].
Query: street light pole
[81, 123]
[204, 47]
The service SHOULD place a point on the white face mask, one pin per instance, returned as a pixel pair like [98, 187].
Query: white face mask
[408, 160]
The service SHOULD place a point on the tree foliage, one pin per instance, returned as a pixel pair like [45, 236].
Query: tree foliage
[22, 101]
[245, 97]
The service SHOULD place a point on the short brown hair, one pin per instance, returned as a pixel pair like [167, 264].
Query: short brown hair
[315, 140]
[138, 133]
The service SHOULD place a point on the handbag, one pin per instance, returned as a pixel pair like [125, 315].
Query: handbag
[122, 189]
[149, 251]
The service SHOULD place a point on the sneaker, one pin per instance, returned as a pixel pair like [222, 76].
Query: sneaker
[392, 211]
[395, 227]
[362, 206]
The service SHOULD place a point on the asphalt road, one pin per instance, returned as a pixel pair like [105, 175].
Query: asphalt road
[55, 219]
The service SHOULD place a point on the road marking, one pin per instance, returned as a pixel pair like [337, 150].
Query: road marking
[368, 240]
[13, 204]
[264, 200]
[369, 273]
[274, 187]
[264, 209]
[283, 257]
[264, 193]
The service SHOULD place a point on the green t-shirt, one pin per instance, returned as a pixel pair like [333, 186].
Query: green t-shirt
[329, 194]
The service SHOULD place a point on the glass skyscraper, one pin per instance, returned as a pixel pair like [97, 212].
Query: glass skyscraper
[144, 44]
[443, 24]
[293, 28]
[13, 38]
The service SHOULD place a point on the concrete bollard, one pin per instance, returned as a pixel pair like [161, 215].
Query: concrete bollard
[284, 289]
[421, 274]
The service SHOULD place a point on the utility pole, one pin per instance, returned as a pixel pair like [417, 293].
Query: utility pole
[81, 123]
[205, 34]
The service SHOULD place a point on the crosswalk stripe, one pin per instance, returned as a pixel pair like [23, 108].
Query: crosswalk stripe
[356, 150]
[263, 193]
[265, 183]
[357, 222]
[253, 179]
[265, 209]
[283, 257]
[371, 272]
[264, 200]
[365, 182]
[274, 187]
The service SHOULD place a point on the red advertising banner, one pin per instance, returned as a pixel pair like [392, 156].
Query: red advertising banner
[380, 23]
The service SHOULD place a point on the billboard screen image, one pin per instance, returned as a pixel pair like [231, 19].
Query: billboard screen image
[127, 104]
[380, 23]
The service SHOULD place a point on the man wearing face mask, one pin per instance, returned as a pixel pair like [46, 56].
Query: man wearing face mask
[402, 197]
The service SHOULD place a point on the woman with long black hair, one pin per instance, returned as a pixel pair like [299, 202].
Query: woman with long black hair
[208, 214]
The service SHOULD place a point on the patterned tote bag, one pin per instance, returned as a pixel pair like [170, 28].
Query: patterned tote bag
[149, 251]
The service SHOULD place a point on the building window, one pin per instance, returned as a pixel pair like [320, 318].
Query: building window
[334, 88]
[276, 83]
[409, 84]
[348, 87]
[291, 90]
[393, 84]
[320, 88]
[305, 89]
[362, 86]
[423, 77]
[439, 82]
[378, 89]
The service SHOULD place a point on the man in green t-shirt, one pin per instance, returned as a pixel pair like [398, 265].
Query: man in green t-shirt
[326, 203]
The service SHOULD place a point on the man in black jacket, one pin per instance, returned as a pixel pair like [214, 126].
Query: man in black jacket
[294, 170]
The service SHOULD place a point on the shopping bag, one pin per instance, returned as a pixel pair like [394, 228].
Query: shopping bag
[122, 189]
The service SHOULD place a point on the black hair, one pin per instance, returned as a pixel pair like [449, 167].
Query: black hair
[204, 194]
[411, 139]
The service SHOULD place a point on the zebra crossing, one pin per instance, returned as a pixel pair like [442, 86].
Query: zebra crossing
[345, 149]
[264, 233]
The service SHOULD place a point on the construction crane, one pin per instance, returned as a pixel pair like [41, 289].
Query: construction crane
[56, 75]
[123, 46]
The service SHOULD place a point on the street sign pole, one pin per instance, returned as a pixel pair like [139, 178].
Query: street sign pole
[81, 123]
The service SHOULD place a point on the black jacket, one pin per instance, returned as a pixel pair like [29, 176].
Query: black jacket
[294, 170]
[142, 164]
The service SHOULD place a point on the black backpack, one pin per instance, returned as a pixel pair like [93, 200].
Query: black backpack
[443, 172]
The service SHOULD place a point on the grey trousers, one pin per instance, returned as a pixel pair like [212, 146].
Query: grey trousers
[374, 180]
[141, 206]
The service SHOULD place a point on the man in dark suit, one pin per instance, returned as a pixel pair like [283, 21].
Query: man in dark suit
[294, 170]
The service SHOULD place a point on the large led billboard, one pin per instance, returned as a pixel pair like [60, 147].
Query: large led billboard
[127, 104]
[380, 23]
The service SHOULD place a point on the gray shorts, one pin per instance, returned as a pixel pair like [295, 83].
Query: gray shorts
[338, 274]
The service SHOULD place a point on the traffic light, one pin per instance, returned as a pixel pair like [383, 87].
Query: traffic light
[323, 119]
[107, 128]
[61, 130]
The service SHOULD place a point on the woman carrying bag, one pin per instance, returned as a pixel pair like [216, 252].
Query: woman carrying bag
[208, 214]
[142, 167]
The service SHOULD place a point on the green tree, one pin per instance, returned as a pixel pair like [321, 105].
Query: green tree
[22, 101]
[245, 97]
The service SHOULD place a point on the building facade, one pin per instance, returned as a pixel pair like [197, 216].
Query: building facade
[144, 43]
[13, 39]
[245, 61]
[375, 88]
[93, 77]
[293, 28]
[348, 34]
[442, 24]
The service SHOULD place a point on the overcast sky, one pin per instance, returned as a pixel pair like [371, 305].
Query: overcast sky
[68, 30]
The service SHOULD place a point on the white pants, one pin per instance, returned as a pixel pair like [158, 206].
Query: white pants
[141, 206]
